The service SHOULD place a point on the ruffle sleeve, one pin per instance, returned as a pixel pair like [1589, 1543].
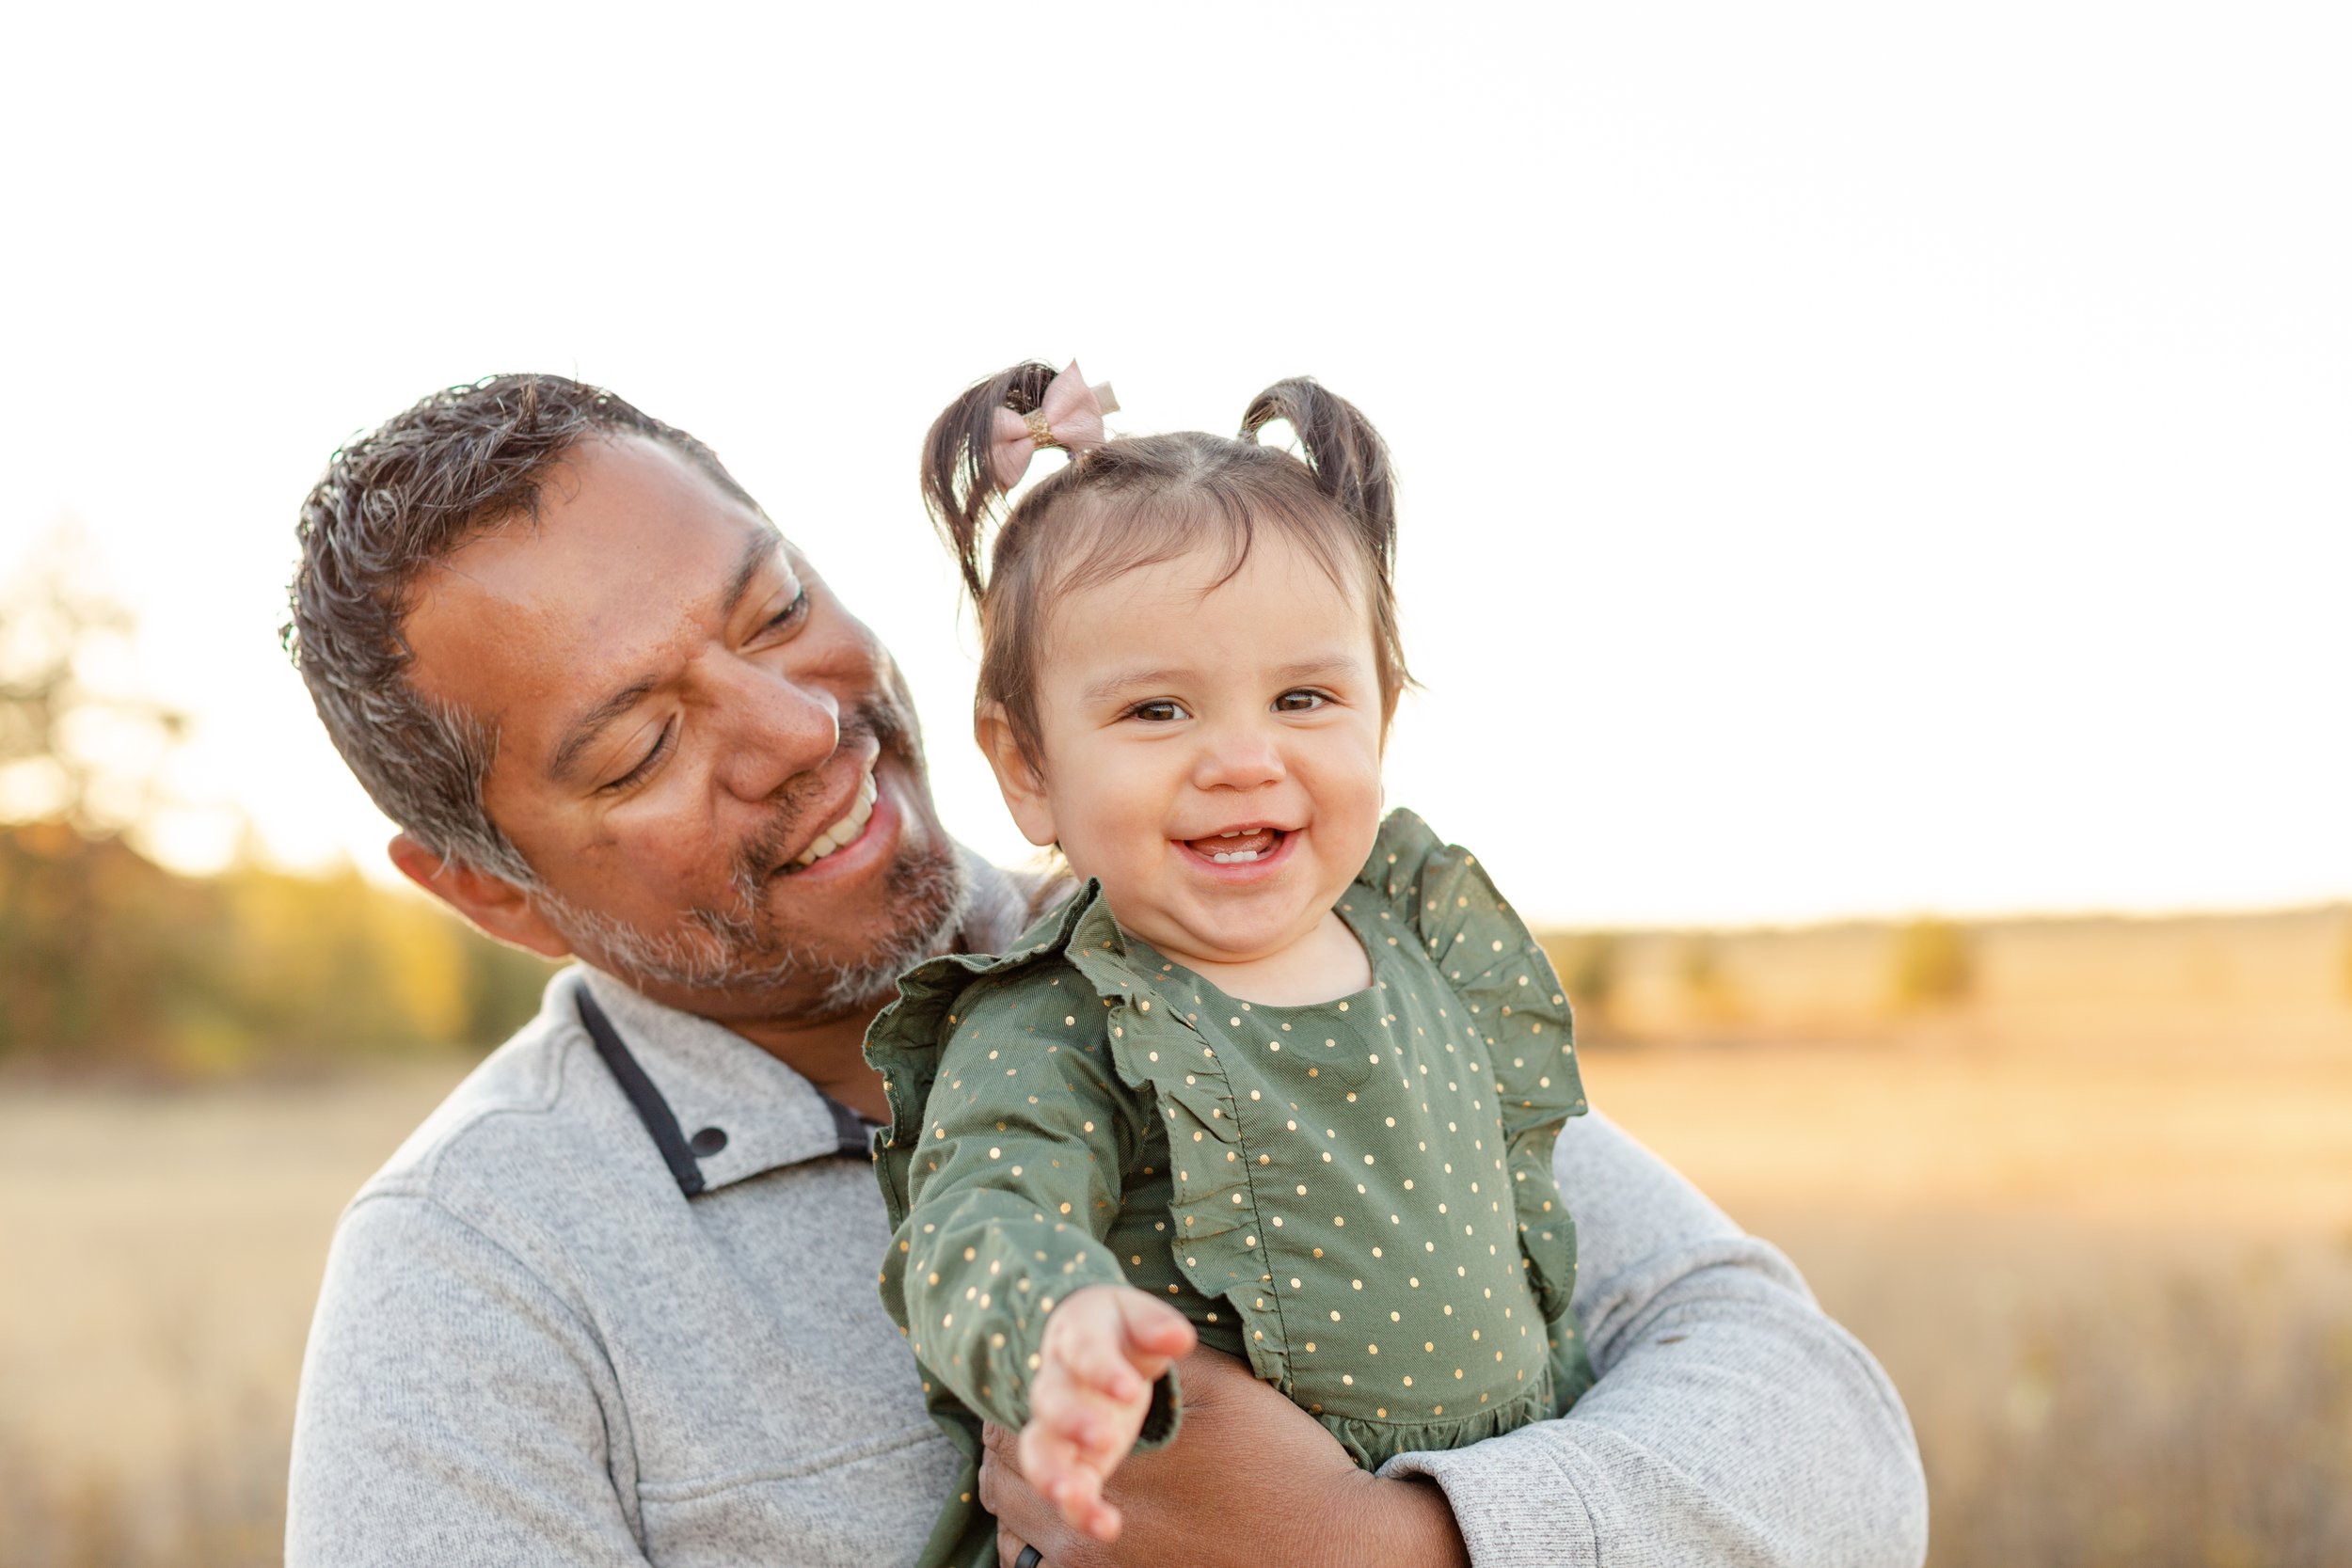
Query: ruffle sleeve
[1171, 1064]
[905, 1041]
[1002, 1164]
[1490, 959]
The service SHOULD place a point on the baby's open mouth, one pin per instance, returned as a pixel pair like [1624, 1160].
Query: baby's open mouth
[1238, 848]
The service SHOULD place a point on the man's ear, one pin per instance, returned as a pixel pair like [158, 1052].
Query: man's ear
[495, 905]
[1023, 788]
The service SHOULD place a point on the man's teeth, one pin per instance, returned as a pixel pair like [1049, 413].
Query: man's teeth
[844, 831]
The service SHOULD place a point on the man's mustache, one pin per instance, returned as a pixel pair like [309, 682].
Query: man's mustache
[877, 720]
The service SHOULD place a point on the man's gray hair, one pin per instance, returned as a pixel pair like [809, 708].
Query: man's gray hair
[392, 504]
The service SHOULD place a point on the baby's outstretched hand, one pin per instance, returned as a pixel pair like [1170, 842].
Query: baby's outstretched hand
[1104, 1346]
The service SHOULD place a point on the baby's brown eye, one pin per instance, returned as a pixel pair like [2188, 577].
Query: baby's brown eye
[1298, 701]
[1161, 712]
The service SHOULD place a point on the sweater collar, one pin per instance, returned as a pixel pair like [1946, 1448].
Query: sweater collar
[741, 1111]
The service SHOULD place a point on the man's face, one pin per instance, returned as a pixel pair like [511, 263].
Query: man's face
[712, 766]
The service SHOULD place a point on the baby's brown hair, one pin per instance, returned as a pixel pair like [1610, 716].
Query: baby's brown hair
[1137, 500]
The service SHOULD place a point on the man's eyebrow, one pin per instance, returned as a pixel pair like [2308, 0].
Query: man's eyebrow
[758, 549]
[589, 725]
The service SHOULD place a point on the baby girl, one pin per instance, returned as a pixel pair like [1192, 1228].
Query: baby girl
[1283, 1077]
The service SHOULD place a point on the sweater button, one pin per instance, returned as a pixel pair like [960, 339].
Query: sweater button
[708, 1140]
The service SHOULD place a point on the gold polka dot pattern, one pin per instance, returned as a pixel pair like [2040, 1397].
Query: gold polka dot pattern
[1389, 1171]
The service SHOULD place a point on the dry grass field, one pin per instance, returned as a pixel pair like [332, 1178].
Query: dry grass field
[2093, 1208]
[2117, 1298]
[164, 1251]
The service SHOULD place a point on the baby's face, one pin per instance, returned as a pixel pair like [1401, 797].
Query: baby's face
[1184, 722]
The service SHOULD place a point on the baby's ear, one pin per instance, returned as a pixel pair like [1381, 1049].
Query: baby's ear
[1017, 775]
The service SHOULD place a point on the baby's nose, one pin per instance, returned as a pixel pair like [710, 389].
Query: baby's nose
[1239, 758]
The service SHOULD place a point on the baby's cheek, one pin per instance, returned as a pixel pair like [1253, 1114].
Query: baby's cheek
[1351, 816]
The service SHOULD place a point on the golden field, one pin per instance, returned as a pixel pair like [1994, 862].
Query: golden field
[2084, 1186]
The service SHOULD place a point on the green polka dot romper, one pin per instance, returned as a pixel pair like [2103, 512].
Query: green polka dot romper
[1356, 1197]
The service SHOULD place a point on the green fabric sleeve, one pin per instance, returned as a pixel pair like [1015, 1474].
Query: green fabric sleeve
[1015, 1180]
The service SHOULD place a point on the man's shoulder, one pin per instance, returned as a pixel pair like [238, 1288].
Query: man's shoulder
[540, 1092]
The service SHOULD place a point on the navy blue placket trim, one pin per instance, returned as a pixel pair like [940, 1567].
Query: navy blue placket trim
[654, 1111]
[852, 1134]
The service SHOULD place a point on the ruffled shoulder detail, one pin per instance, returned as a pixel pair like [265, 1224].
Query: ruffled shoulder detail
[904, 1041]
[1157, 1050]
[1489, 957]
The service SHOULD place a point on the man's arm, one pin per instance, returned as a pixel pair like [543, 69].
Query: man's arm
[1733, 1422]
[453, 1410]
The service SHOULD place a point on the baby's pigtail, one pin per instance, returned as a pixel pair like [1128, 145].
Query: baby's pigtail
[1349, 459]
[1350, 464]
[959, 485]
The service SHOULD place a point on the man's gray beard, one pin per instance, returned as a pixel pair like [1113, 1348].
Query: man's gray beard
[727, 951]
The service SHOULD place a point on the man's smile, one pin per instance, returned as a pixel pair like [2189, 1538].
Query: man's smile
[845, 830]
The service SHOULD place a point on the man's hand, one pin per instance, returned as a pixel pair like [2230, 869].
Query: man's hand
[1103, 1349]
[1250, 1479]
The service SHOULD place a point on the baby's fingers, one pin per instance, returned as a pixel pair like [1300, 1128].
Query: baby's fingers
[1099, 1428]
[1156, 1333]
[1063, 1476]
[1046, 1454]
[1099, 1362]
[1068, 1481]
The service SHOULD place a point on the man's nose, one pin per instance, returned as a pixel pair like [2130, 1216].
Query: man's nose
[1239, 755]
[776, 729]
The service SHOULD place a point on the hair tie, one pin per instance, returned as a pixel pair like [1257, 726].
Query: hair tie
[1069, 416]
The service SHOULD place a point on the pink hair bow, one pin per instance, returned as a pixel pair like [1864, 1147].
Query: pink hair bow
[1069, 415]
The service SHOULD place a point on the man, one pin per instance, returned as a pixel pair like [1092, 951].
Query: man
[614, 1302]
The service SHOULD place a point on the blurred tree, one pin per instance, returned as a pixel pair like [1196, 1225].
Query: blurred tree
[80, 912]
[1712, 996]
[1933, 964]
[93, 942]
[77, 745]
[109, 959]
[1587, 963]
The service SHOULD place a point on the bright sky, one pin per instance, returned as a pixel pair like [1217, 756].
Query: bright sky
[1856, 459]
